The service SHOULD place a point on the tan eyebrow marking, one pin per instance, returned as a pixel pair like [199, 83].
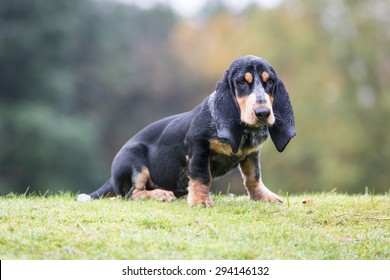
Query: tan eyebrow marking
[248, 77]
[265, 76]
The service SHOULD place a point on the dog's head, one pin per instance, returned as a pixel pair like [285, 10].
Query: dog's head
[259, 98]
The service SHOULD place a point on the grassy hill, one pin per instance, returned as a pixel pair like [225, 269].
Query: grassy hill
[311, 226]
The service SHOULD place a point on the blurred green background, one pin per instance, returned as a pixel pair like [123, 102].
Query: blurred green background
[80, 77]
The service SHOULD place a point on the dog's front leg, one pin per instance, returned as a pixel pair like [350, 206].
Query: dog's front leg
[200, 175]
[250, 171]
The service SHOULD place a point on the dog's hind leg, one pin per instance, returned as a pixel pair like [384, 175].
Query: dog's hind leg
[104, 191]
[131, 177]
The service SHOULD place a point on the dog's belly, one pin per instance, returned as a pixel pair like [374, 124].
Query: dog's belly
[177, 181]
[170, 175]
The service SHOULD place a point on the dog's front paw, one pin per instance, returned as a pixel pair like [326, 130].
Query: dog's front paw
[198, 201]
[263, 193]
[270, 196]
[199, 194]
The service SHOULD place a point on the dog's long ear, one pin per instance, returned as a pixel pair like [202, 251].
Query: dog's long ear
[284, 128]
[227, 113]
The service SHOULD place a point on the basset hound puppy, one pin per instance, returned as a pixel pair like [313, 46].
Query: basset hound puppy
[181, 154]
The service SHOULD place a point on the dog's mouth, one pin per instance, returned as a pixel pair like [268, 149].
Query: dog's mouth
[261, 124]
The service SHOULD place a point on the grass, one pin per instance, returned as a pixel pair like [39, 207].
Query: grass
[327, 226]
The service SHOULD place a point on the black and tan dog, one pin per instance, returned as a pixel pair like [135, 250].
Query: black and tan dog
[181, 154]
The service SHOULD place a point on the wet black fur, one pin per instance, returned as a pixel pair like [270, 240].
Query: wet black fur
[177, 147]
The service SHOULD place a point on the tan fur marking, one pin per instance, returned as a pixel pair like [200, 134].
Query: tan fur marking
[242, 104]
[220, 148]
[248, 175]
[199, 194]
[225, 149]
[265, 76]
[250, 150]
[141, 179]
[248, 77]
[247, 104]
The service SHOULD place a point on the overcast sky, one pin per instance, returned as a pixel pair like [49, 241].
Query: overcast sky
[190, 8]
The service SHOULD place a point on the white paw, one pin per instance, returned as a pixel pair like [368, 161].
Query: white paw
[83, 197]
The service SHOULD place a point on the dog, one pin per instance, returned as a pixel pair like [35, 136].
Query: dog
[181, 154]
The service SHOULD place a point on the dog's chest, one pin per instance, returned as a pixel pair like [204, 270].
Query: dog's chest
[251, 142]
[220, 148]
[223, 158]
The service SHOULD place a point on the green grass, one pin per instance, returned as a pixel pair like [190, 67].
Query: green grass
[329, 226]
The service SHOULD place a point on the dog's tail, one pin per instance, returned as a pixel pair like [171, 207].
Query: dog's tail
[103, 191]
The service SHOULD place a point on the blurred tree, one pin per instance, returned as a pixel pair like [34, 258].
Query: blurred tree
[43, 137]
[68, 78]
[359, 42]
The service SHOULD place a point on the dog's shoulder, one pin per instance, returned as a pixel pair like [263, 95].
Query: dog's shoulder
[202, 125]
[217, 120]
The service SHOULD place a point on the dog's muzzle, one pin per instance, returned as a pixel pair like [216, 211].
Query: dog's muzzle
[262, 114]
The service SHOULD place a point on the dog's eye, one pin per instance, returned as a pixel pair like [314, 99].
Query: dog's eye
[242, 82]
[270, 82]
[269, 85]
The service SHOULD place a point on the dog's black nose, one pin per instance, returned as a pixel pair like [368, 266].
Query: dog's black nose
[262, 113]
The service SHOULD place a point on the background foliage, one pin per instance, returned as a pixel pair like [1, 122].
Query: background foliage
[79, 77]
